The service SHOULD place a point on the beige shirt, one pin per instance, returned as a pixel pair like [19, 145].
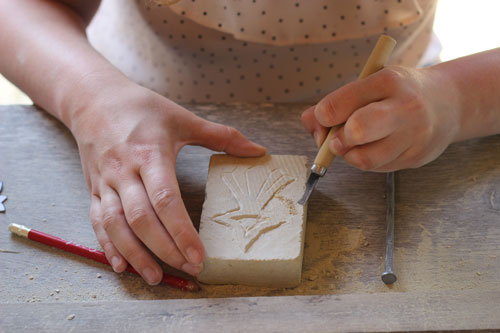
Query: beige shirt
[255, 50]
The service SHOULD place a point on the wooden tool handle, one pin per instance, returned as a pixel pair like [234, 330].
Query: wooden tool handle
[379, 56]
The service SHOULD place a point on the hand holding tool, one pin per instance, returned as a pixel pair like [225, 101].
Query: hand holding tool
[379, 56]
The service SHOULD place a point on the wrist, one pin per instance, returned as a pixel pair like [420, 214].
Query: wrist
[473, 81]
[444, 95]
[90, 94]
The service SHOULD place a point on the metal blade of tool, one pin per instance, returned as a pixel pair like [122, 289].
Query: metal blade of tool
[310, 185]
[376, 61]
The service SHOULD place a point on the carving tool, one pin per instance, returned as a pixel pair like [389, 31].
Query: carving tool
[388, 275]
[89, 253]
[376, 61]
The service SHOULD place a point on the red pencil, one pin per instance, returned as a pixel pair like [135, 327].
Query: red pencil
[93, 254]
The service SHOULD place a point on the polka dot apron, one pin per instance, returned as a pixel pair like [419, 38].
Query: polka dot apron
[255, 50]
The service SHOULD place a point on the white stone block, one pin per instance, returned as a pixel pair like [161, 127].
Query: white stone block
[251, 225]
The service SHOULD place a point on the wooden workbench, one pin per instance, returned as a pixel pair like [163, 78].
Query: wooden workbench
[447, 241]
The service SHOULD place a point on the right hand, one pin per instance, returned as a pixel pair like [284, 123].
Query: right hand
[394, 119]
[128, 142]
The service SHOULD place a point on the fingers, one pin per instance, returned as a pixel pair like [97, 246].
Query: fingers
[163, 193]
[375, 155]
[413, 157]
[336, 107]
[312, 126]
[396, 164]
[371, 123]
[142, 219]
[114, 257]
[226, 139]
[113, 222]
[337, 144]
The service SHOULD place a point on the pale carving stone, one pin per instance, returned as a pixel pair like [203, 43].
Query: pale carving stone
[251, 225]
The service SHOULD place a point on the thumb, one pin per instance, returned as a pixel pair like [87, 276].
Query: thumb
[226, 139]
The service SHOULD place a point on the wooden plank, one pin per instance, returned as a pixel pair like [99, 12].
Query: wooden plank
[446, 310]
[447, 222]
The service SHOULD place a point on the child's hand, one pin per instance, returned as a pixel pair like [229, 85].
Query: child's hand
[394, 119]
[128, 142]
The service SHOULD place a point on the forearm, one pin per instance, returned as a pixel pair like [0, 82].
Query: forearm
[45, 52]
[473, 86]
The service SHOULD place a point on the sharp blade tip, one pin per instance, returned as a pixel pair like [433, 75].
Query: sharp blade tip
[310, 185]
[305, 197]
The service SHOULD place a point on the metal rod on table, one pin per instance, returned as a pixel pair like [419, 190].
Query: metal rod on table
[388, 276]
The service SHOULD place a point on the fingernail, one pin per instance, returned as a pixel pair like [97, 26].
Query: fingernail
[115, 262]
[337, 146]
[317, 139]
[264, 149]
[256, 147]
[192, 269]
[193, 256]
[150, 275]
[320, 111]
[318, 108]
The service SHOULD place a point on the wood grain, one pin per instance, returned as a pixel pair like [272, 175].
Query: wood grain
[448, 310]
[447, 235]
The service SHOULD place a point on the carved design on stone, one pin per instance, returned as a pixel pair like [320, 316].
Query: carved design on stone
[253, 193]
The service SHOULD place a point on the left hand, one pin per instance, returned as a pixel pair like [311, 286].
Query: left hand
[394, 119]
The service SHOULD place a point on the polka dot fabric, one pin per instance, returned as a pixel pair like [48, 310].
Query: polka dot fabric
[224, 51]
[289, 22]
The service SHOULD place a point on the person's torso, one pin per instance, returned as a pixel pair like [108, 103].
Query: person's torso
[259, 51]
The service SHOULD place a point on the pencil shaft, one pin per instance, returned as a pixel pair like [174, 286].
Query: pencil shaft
[99, 256]
[67, 246]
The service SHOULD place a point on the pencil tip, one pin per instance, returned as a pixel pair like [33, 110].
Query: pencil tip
[192, 286]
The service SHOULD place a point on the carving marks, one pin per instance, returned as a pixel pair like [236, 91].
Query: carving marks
[254, 188]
